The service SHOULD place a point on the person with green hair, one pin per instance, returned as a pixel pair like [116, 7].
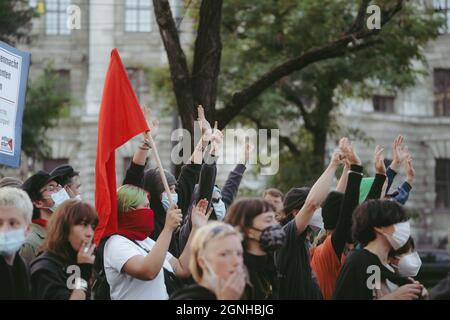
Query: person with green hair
[134, 263]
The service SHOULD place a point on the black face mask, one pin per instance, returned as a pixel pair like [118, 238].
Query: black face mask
[272, 238]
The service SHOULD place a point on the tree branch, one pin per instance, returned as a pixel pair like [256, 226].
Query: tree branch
[291, 95]
[283, 139]
[359, 21]
[334, 49]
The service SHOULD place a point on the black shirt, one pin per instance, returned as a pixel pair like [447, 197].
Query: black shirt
[294, 270]
[15, 279]
[353, 280]
[193, 292]
[262, 274]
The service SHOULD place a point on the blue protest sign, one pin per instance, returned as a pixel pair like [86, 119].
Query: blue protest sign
[14, 66]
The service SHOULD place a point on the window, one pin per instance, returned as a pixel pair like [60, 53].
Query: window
[442, 183]
[442, 92]
[50, 164]
[138, 81]
[56, 17]
[383, 104]
[138, 16]
[443, 6]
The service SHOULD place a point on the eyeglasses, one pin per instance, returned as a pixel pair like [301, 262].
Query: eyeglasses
[51, 188]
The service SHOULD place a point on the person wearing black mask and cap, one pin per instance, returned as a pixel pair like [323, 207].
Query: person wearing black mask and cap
[69, 179]
[46, 195]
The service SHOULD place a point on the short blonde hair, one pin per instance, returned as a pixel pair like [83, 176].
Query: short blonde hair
[212, 231]
[19, 199]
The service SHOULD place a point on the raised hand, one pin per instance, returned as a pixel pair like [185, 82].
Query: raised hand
[399, 152]
[349, 153]
[199, 216]
[378, 159]
[204, 124]
[247, 149]
[409, 170]
[336, 158]
[233, 287]
[216, 140]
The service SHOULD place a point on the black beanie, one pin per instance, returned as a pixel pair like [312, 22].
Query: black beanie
[295, 199]
[330, 209]
[153, 182]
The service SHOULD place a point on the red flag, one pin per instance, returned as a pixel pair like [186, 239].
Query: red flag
[120, 119]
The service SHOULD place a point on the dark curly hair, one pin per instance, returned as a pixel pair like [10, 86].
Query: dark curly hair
[375, 213]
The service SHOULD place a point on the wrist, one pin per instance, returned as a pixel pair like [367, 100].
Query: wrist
[81, 284]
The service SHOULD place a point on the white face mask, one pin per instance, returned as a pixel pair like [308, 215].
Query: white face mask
[11, 241]
[317, 220]
[220, 210]
[58, 198]
[409, 265]
[78, 197]
[400, 236]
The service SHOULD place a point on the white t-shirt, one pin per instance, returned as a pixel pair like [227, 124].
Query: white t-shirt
[118, 250]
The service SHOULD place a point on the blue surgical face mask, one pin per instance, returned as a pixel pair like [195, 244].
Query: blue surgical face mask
[165, 200]
[11, 241]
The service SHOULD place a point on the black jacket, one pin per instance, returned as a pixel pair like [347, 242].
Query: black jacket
[49, 278]
[14, 280]
[193, 292]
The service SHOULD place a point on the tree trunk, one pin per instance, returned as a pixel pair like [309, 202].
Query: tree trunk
[207, 55]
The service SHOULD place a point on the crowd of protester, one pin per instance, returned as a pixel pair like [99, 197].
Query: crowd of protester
[351, 240]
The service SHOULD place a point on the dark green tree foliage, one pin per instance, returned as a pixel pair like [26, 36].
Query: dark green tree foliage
[43, 106]
[15, 20]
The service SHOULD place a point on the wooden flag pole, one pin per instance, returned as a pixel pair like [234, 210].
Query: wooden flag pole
[161, 170]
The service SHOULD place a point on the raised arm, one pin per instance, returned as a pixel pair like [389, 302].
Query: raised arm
[231, 186]
[380, 175]
[318, 193]
[343, 227]
[135, 172]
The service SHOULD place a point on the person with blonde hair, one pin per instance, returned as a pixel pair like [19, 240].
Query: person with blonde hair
[16, 210]
[216, 264]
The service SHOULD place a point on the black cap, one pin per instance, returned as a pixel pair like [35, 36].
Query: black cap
[35, 183]
[295, 199]
[153, 182]
[63, 173]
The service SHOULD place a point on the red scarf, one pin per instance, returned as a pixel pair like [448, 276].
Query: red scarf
[137, 224]
[41, 222]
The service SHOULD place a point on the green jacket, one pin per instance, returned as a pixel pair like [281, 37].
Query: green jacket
[32, 246]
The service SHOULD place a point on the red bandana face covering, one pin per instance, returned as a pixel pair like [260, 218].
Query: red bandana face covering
[137, 224]
[41, 222]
